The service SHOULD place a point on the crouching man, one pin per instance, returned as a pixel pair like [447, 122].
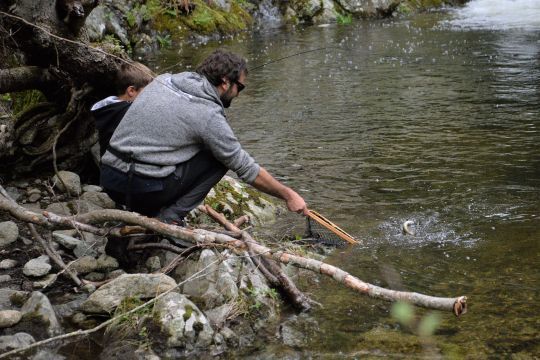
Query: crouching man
[174, 144]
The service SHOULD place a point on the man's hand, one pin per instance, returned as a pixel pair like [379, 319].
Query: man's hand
[266, 183]
[296, 203]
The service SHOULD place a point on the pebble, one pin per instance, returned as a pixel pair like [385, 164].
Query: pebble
[4, 278]
[8, 264]
[9, 318]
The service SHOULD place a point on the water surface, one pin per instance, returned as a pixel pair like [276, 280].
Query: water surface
[431, 119]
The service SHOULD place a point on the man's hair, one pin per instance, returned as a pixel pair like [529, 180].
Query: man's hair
[220, 64]
[132, 74]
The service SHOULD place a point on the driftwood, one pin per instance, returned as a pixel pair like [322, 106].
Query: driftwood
[458, 305]
[270, 269]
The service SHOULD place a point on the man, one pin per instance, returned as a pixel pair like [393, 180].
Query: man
[174, 144]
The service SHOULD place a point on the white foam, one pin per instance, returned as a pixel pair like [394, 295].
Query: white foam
[499, 15]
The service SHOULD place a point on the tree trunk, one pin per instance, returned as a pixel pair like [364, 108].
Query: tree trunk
[45, 42]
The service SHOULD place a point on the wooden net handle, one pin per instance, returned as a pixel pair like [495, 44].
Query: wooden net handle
[331, 226]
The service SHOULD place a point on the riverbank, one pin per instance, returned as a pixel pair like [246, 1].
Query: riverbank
[143, 28]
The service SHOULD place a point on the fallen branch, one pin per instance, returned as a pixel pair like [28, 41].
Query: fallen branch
[54, 255]
[268, 266]
[457, 305]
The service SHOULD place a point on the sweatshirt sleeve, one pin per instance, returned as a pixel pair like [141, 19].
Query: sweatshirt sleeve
[219, 138]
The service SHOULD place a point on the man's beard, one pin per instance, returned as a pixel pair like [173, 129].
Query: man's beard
[226, 98]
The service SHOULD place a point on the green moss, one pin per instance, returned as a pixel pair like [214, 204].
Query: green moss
[24, 100]
[206, 19]
[188, 313]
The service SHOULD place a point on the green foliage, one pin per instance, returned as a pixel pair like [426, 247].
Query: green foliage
[405, 314]
[164, 41]
[404, 8]
[344, 19]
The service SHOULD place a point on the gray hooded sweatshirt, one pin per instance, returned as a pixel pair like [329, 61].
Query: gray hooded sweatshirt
[172, 119]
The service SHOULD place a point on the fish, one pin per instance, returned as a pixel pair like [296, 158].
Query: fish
[406, 227]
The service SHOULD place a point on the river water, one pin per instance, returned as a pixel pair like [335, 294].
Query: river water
[433, 119]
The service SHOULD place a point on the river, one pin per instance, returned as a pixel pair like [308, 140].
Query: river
[433, 119]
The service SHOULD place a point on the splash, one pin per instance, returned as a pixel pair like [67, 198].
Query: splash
[498, 15]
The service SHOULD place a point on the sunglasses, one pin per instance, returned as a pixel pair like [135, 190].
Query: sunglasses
[240, 86]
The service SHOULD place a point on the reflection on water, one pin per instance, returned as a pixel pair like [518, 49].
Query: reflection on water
[409, 120]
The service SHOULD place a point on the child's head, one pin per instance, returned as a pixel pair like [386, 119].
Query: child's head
[131, 79]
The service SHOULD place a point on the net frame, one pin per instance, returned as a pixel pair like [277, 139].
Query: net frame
[330, 226]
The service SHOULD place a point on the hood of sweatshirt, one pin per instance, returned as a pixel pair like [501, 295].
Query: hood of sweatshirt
[194, 84]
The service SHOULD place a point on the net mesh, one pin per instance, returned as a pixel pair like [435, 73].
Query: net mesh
[318, 233]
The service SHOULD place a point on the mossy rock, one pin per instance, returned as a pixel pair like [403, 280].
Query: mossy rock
[235, 199]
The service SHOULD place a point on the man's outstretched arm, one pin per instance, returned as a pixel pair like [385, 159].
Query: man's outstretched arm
[266, 183]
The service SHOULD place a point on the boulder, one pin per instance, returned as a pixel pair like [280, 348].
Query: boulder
[9, 232]
[71, 181]
[182, 321]
[38, 307]
[143, 286]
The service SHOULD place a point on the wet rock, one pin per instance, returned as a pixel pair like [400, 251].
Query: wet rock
[47, 355]
[115, 273]
[67, 241]
[182, 321]
[94, 188]
[100, 199]
[45, 282]
[34, 197]
[71, 307]
[8, 264]
[95, 276]
[85, 265]
[153, 264]
[10, 298]
[14, 193]
[109, 296]
[219, 315]
[17, 341]
[9, 232]
[9, 318]
[369, 7]
[204, 288]
[71, 181]
[38, 307]
[329, 13]
[107, 263]
[37, 267]
[95, 23]
[59, 208]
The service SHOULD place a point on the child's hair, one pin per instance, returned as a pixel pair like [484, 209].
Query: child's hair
[132, 74]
